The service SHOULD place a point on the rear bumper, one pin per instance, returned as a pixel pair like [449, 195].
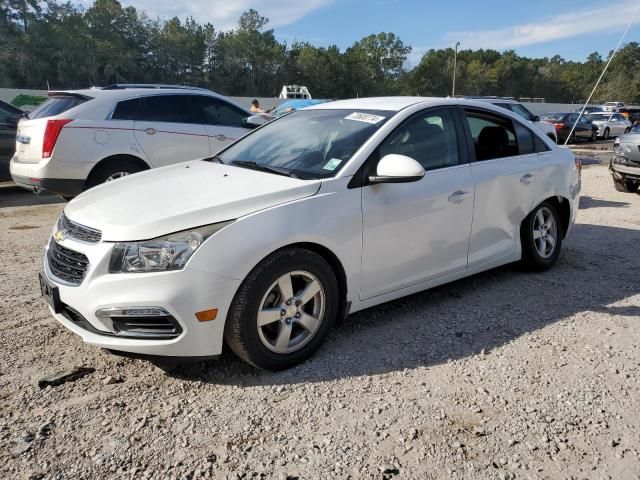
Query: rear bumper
[60, 186]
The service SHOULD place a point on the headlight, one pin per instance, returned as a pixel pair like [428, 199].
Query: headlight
[170, 252]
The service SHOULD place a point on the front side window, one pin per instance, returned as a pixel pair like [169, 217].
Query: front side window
[165, 108]
[213, 111]
[522, 111]
[493, 135]
[307, 144]
[428, 137]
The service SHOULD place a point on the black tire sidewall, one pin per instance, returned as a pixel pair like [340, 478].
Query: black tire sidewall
[247, 303]
[605, 135]
[530, 254]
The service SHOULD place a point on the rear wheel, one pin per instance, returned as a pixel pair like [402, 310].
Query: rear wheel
[572, 139]
[541, 237]
[284, 310]
[113, 170]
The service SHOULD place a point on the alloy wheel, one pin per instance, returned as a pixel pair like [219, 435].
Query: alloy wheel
[116, 175]
[545, 232]
[291, 312]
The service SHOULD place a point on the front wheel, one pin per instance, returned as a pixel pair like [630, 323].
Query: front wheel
[284, 310]
[624, 185]
[605, 135]
[594, 136]
[541, 237]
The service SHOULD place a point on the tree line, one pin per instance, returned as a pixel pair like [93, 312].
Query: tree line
[62, 45]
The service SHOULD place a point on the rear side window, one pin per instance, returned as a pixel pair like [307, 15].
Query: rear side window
[522, 111]
[213, 111]
[126, 110]
[58, 104]
[493, 135]
[165, 108]
[529, 142]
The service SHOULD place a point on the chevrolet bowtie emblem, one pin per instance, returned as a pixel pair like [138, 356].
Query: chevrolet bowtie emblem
[60, 235]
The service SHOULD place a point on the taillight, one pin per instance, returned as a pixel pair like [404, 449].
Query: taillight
[51, 133]
[559, 126]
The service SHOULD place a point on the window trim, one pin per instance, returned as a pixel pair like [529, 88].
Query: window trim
[469, 137]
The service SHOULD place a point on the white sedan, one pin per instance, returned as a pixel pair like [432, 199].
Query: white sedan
[321, 213]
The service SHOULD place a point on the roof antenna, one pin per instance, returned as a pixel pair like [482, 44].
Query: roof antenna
[602, 75]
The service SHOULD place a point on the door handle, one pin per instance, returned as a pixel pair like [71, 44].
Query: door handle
[220, 137]
[526, 179]
[458, 196]
[150, 131]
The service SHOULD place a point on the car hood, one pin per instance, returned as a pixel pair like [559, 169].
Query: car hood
[170, 199]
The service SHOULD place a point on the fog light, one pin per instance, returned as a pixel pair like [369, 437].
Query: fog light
[140, 322]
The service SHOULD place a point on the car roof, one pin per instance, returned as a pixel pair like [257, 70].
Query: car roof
[395, 104]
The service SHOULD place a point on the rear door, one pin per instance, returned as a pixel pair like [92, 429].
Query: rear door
[167, 130]
[223, 122]
[505, 169]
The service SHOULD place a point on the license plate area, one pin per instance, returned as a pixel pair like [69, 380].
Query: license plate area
[50, 293]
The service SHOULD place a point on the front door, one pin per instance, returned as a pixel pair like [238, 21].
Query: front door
[166, 129]
[414, 232]
[223, 122]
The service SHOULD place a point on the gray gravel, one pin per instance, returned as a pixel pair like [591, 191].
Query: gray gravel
[503, 375]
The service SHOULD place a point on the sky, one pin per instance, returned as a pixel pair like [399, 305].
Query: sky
[534, 28]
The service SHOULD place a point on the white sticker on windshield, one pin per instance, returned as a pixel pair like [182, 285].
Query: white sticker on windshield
[332, 164]
[364, 117]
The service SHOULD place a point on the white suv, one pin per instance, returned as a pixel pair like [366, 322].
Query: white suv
[82, 138]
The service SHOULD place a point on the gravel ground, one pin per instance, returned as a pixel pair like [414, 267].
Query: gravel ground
[503, 375]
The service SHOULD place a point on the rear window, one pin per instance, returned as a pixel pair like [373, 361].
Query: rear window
[56, 105]
[554, 117]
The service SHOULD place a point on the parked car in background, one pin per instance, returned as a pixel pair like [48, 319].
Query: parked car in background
[519, 109]
[610, 124]
[625, 164]
[612, 106]
[563, 123]
[590, 109]
[79, 139]
[9, 117]
[292, 105]
[328, 210]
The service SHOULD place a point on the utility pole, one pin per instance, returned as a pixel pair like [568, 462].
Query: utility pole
[455, 62]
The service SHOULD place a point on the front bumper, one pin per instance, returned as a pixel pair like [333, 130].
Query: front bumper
[621, 170]
[181, 293]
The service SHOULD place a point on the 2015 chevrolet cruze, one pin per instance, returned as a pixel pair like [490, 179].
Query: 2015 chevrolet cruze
[326, 211]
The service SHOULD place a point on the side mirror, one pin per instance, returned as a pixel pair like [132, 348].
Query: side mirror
[255, 121]
[535, 118]
[394, 168]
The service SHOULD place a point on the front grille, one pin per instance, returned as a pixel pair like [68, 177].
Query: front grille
[77, 231]
[65, 264]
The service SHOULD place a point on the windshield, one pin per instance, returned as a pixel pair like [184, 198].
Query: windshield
[57, 105]
[553, 117]
[599, 116]
[307, 144]
[611, 104]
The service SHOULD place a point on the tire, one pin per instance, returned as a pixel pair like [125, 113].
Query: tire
[261, 346]
[605, 135]
[624, 185]
[112, 170]
[541, 255]
[594, 136]
[627, 130]
[572, 139]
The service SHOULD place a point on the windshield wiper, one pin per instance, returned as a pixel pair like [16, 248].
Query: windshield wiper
[264, 168]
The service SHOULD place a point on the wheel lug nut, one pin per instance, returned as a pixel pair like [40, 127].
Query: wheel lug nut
[298, 315]
[283, 312]
[289, 302]
[298, 303]
[288, 321]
